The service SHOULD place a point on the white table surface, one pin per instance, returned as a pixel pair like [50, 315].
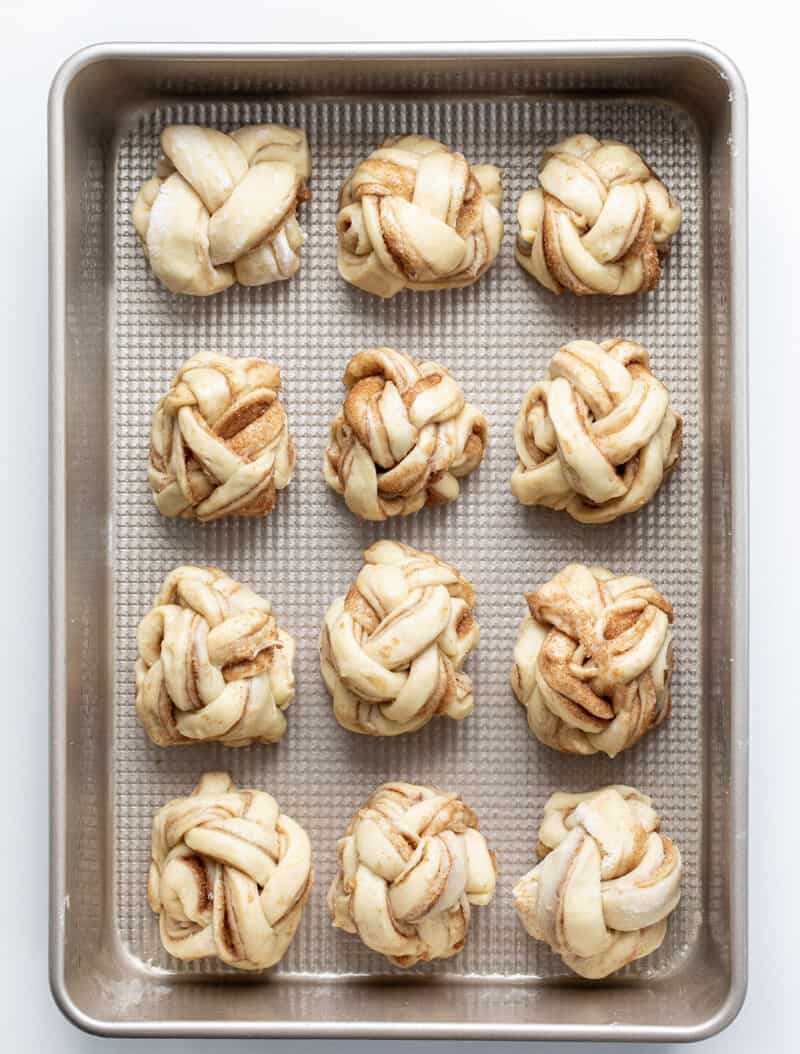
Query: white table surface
[35, 35]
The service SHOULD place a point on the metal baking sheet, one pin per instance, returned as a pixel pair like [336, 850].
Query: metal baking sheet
[117, 339]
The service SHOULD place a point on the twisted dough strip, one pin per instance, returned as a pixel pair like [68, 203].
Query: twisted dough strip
[404, 437]
[229, 875]
[411, 862]
[593, 660]
[220, 443]
[414, 215]
[599, 222]
[391, 650]
[598, 436]
[606, 882]
[221, 208]
[213, 663]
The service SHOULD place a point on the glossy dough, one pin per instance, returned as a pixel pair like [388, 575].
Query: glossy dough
[221, 208]
[606, 881]
[213, 663]
[598, 436]
[391, 650]
[410, 864]
[403, 438]
[598, 222]
[220, 444]
[593, 660]
[229, 875]
[415, 215]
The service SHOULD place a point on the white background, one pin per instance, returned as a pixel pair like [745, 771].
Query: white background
[35, 36]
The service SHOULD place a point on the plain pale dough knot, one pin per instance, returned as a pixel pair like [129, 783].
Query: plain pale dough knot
[598, 222]
[213, 663]
[411, 863]
[220, 443]
[229, 875]
[606, 882]
[403, 438]
[598, 436]
[593, 660]
[414, 215]
[221, 208]
[391, 650]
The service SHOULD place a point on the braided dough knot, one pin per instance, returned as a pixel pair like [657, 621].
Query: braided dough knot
[404, 437]
[229, 875]
[599, 221]
[411, 863]
[391, 650]
[415, 215]
[213, 663]
[598, 436]
[606, 882]
[593, 659]
[220, 443]
[221, 208]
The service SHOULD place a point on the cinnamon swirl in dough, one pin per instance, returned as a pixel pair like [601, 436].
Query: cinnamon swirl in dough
[403, 438]
[606, 882]
[598, 437]
[213, 663]
[412, 862]
[415, 215]
[220, 443]
[599, 222]
[392, 647]
[593, 660]
[229, 875]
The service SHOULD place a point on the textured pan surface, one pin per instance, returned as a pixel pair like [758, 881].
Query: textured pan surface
[497, 338]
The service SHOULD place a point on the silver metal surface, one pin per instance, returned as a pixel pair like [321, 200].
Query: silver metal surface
[117, 338]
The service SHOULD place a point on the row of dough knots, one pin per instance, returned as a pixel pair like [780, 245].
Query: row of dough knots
[593, 660]
[596, 437]
[222, 208]
[410, 865]
[404, 436]
[229, 875]
[606, 881]
[392, 648]
[413, 215]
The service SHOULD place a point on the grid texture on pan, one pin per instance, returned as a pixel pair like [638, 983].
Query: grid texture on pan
[497, 338]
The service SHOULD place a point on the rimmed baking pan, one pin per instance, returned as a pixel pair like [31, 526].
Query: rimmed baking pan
[116, 339]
